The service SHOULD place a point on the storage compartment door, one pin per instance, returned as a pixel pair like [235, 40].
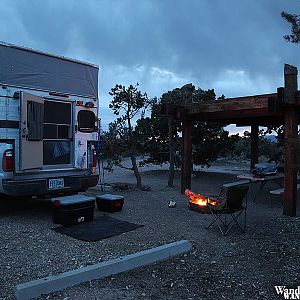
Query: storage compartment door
[32, 131]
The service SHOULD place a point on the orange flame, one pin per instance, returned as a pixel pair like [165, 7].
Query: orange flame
[200, 199]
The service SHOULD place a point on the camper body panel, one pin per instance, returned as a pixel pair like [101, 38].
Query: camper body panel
[76, 176]
[44, 147]
[82, 155]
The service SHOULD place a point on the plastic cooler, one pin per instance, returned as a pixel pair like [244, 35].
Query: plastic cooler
[109, 202]
[74, 209]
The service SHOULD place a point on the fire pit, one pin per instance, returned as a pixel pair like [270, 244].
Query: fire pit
[198, 202]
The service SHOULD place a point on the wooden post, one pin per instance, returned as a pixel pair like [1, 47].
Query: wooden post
[172, 148]
[290, 84]
[186, 168]
[290, 126]
[254, 146]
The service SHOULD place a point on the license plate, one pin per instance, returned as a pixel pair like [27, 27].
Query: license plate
[56, 183]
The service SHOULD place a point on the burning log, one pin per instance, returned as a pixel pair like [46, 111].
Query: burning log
[199, 202]
[200, 199]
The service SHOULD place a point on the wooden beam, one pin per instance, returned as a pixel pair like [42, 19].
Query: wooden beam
[290, 174]
[232, 104]
[260, 105]
[233, 109]
[186, 169]
[291, 122]
[268, 106]
[235, 116]
[260, 121]
[290, 84]
[254, 146]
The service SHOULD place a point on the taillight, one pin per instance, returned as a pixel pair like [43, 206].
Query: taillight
[56, 203]
[89, 105]
[79, 103]
[8, 161]
[94, 164]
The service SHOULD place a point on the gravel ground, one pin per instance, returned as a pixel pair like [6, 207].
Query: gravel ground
[239, 266]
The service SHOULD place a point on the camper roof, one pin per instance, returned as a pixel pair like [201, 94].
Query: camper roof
[28, 68]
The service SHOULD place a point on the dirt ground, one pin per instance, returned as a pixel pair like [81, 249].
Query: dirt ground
[238, 266]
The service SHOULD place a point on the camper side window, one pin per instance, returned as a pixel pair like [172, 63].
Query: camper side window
[35, 119]
[86, 121]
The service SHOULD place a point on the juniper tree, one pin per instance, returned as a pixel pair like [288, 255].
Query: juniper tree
[294, 21]
[128, 104]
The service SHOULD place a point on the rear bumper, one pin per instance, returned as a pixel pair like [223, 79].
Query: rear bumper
[38, 187]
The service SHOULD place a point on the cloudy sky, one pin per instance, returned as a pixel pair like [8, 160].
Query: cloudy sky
[233, 46]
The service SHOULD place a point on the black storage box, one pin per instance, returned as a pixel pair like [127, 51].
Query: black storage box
[109, 202]
[74, 209]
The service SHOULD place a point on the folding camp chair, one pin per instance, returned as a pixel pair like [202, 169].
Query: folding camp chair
[232, 201]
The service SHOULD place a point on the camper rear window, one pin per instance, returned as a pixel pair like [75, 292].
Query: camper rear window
[86, 121]
[56, 152]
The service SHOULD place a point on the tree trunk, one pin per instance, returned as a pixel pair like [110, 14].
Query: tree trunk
[133, 153]
[171, 154]
[136, 172]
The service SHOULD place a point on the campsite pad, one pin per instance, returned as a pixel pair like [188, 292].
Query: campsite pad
[98, 229]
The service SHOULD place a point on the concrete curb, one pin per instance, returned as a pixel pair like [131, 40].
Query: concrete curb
[35, 288]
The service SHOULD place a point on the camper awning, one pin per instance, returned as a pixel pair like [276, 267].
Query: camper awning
[27, 68]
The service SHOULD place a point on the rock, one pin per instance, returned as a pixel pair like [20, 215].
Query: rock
[172, 204]
[146, 188]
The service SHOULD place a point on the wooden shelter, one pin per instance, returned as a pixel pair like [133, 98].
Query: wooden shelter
[281, 108]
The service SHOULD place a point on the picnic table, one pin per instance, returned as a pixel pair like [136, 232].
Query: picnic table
[262, 181]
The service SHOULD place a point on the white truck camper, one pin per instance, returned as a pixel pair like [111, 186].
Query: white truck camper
[48, 123]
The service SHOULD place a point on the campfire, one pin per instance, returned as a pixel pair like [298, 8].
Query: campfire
[199, 202]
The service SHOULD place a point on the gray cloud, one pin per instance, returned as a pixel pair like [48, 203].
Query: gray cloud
[233, 46]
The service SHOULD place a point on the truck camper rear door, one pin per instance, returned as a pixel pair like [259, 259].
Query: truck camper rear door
[31, 131]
